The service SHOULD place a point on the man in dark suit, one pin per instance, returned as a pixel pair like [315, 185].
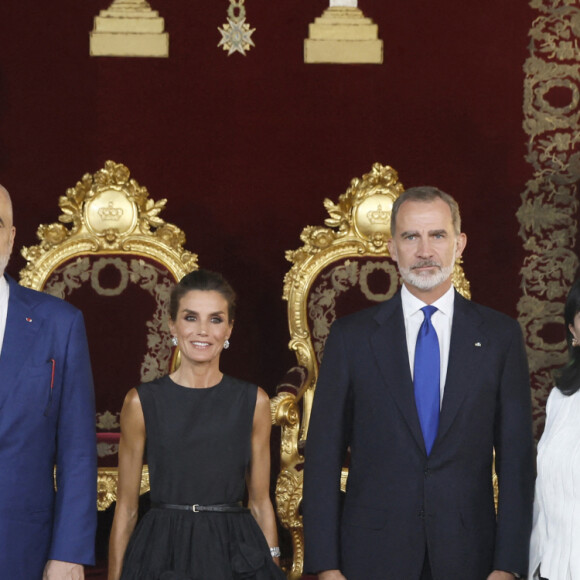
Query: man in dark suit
[47, 419]
[421, 388]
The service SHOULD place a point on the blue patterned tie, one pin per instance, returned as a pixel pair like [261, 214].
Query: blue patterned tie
[426, 378]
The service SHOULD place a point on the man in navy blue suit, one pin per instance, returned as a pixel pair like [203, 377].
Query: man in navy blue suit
[47, 419]
[419, 501]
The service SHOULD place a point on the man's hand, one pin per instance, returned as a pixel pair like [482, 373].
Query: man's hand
[331, 575]
[500, 575]
[57, 570]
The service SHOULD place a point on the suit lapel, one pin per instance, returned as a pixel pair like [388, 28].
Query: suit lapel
[466, 355]
[389, 347]
[21, 328]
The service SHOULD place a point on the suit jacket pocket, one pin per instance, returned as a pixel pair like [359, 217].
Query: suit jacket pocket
[373, 518]
[39, 374]
[35, 385]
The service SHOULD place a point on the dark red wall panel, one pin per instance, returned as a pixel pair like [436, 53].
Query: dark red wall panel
[246, 148]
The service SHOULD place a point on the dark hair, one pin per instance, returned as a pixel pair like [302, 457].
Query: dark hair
[568, 377]
[206, 281]
[426, 193]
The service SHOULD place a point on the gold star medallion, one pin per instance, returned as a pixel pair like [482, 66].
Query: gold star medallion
[236, 32]
[236, 36]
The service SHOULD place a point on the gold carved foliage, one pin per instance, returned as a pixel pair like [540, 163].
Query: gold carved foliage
[288, 499]
[360, 221]
[107, 486]
[114, 175]
[382, 180]
[107, 212]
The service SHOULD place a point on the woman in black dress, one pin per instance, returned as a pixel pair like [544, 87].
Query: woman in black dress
[207, 436]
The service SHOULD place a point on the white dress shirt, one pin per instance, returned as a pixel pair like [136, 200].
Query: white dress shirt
[442, 321]
[555, 541]
[4, 292]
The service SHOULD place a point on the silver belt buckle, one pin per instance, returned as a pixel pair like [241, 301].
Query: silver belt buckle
[194, 508]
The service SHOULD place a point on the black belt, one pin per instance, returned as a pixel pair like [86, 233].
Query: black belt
[236, 507]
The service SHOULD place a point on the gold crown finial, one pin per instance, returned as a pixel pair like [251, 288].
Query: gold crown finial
[110, 213]
[378, 216]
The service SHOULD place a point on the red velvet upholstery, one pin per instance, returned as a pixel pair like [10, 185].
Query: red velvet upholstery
[345, 287]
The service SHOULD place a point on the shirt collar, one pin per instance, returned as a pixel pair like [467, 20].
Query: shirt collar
[412, 304]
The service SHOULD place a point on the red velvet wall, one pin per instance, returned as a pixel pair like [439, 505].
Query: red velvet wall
[246, 148]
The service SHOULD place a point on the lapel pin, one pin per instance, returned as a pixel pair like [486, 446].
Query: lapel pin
[478, 344]
[28, 319]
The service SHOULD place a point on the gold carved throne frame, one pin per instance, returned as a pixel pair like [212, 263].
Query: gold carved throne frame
[332, 261]
[110, 230]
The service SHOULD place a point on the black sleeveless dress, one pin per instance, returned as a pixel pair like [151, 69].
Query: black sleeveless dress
[198, 451]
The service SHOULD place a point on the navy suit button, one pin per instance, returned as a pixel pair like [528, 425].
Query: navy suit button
[427, 472]
[421, 514]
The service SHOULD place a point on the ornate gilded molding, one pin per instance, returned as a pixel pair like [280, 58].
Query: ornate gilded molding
[288, 499]
[107, 486]
[358, 226]
[547, 215]
[106, 213]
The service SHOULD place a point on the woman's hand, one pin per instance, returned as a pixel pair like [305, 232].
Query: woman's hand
[258, 479]
[57, 570]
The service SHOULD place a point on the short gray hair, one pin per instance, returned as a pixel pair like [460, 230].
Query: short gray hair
[426, 193]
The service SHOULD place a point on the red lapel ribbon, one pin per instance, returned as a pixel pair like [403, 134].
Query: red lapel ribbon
[52, 377]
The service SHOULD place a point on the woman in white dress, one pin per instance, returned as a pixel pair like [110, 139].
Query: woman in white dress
[555, 541]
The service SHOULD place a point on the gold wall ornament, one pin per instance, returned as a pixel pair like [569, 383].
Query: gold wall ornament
[342, 35]
[129, 28]
[331, 261]
[549, 208]
[236, 32]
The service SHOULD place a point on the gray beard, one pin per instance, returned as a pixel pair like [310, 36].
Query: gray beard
[427, 281]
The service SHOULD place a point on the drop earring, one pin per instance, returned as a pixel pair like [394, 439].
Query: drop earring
[174, 340]
[227, 344]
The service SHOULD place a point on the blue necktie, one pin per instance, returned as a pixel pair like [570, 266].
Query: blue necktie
[426, 378]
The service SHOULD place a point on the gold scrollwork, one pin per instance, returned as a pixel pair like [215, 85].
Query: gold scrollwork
[289, 498]
[149, 235]
[107, 486]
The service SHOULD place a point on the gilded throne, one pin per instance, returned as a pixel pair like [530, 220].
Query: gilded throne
[112, 256]
[340, 268]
